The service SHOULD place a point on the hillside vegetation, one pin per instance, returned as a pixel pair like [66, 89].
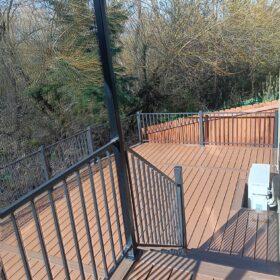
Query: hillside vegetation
[170, 55]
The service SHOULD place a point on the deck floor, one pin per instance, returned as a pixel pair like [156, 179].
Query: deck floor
[214, 184]
[214, 180]
[9, 250]
[157, 265]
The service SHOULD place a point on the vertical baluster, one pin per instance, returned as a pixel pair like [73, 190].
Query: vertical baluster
[264, 130]
[150, 229]
[21, 248]
[269, 142]
[180, 204]
[255, 142]
[275, 132]
[115, 200]
[88, 233]
[246, 129]
[227, 128]
[260, 128]
[105, 199]
[163, 203]
[168, 209]
[165, 209]
[96, 212]
[215, 128]
[175, 214]
[73, 229]
[154, 231]
[155, 193]
[251, 117]
[224, 128]
[237, 119]
[137, 198]
[143, 201]
[41, 240]
[160, 208]
[58, 234]
[241, 127]
[232, 129]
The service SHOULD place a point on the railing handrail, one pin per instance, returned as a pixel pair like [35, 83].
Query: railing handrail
[151, 165]
[53, 181]
[169, 113]
[208, 113]
[32, 153]
[67, 138]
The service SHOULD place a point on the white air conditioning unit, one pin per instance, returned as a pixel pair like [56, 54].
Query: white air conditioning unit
[258, 185]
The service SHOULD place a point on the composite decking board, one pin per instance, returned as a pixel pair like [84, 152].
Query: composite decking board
[153, 264]
[197, 162]
[220, 159]
[88, 196]
[203, 203]
[240, 233]
[235, 158]
[272, 238]
[261, 242]
[260, 156]
[141, 269]
[250, 239]
[216, 239]
[239, 192]
[80, 220]
[240, 158]
[246, 159]
[81, 232]
[215, 211]
[206, 208]
[180, 275]
[253, 157]
[228, 234]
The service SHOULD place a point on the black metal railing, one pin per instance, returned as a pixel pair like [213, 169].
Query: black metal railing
[19, 177]
[72, 223]
[158, 203]
[210, 128]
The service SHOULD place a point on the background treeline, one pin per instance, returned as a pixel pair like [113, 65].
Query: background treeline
[169, 55]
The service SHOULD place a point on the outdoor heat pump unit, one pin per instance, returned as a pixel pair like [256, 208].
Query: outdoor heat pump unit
[258, 185]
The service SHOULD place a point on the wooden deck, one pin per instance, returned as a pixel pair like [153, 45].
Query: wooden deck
[214, 185]
[9, 250]
[157, 265]
[214, 180]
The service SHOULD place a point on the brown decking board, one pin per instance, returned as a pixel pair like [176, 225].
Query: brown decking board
[212, 189]
[214, 183]
[157, 265]
[31, 241]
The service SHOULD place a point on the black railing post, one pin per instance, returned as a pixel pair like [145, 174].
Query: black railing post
[115, 125]
[44, 162]
[201, 140]
[89, 140]
[178, 174]
[139, 127]
[275, 144]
